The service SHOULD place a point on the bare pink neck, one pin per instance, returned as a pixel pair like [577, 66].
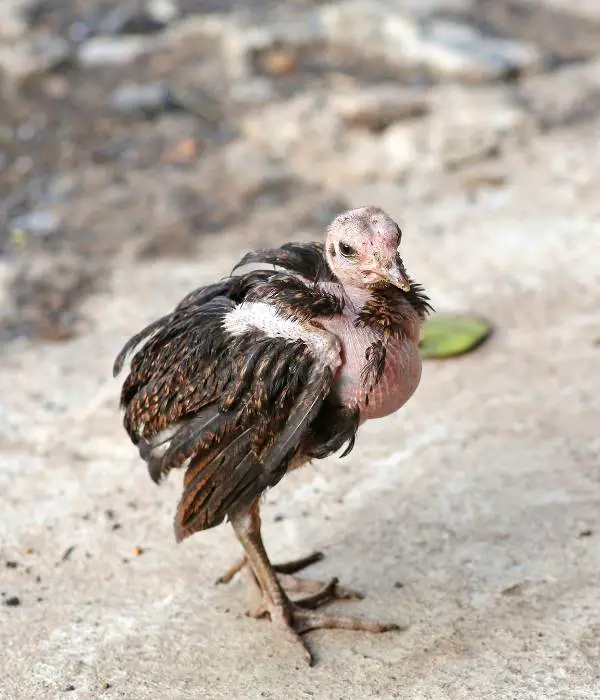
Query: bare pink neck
[357, 297]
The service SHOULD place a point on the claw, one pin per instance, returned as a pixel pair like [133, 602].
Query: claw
[297, 621]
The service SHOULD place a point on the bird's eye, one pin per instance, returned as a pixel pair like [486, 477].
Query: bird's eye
[347, 250]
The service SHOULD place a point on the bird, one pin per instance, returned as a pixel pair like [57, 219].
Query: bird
[258, 374]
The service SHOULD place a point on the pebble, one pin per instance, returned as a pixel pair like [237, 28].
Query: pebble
[387, 157]
[311, 136]
[53, 54]
[79, 31]
[371, 27]
[443, 48]
[163, 10]
[458, 50]
[129, 20]
[106, 50]
[279, 61]
[378, 107]
[196, 100]
[13, 22]
[258, 90]
[241, 40]
[34, 11]
[37, 223]
[148, 99]
[12, 602]
[468, 126]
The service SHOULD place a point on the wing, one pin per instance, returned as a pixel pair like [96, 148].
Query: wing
[231, 394]
[306, 259]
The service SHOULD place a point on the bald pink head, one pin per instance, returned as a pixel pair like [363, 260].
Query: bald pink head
[362, 249]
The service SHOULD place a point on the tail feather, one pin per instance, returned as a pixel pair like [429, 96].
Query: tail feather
[211, 484]
[136, 340]
[182, 443]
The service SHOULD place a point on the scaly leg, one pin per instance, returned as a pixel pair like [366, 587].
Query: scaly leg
[291, 616]
[314, 592]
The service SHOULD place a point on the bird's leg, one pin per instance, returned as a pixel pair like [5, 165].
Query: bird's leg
[292, 616]
[288, 567]
[312, 593]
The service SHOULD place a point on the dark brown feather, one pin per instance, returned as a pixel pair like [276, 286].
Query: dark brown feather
[234, 409]
[306, 259]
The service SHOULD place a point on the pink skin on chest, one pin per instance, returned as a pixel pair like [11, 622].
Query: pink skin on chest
[402, 366]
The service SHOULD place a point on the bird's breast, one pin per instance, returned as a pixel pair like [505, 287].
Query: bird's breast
[401, 375]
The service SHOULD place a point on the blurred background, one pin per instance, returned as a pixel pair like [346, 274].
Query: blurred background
[144, 146]
[148, 129]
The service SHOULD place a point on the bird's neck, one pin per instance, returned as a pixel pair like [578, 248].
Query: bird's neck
[378, 308]
[388, 309]
[357, 297]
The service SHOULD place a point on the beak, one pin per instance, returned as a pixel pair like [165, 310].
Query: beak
[397, 276]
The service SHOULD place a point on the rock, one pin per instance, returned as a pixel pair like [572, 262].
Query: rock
[468, 125]
[372, 157]
[22, 59]
[305, 120]
[103, 50]
[164, 11]
[241, 39]
[80, 30]
[57, 188]
[256, 90]
[251, 169]
[35, 11]
[12, 601]
[196, 101]
[373, 28]
[459, 50]
[13, 21]
[442, 48]
[53, 54]
[569, 95]
[308, 133]
[378, 107]
[148, 99]
[278, 61]
[40, 223]
[16, 61]
[130, 20]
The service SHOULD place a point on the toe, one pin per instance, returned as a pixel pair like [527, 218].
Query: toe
[309, 620]
[291, 567]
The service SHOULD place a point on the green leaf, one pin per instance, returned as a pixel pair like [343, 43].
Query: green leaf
[449, 335]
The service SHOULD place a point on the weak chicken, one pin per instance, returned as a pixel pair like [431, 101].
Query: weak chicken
[260, 373]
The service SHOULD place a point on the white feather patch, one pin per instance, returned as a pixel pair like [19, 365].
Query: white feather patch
[261, 316]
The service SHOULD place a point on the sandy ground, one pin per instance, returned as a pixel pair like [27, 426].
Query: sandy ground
[472, 516]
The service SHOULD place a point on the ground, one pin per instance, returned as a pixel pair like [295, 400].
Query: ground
[472, 516]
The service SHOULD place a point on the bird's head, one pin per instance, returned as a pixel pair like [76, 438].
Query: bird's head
[362, 249]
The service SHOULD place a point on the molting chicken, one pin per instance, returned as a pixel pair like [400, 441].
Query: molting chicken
[258, 374]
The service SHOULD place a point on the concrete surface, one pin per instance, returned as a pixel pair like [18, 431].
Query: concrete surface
[473, 515]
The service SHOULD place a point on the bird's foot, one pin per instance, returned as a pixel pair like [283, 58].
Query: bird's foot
[289, 567]
[296, 620]
[312, 593]
[315, 593]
